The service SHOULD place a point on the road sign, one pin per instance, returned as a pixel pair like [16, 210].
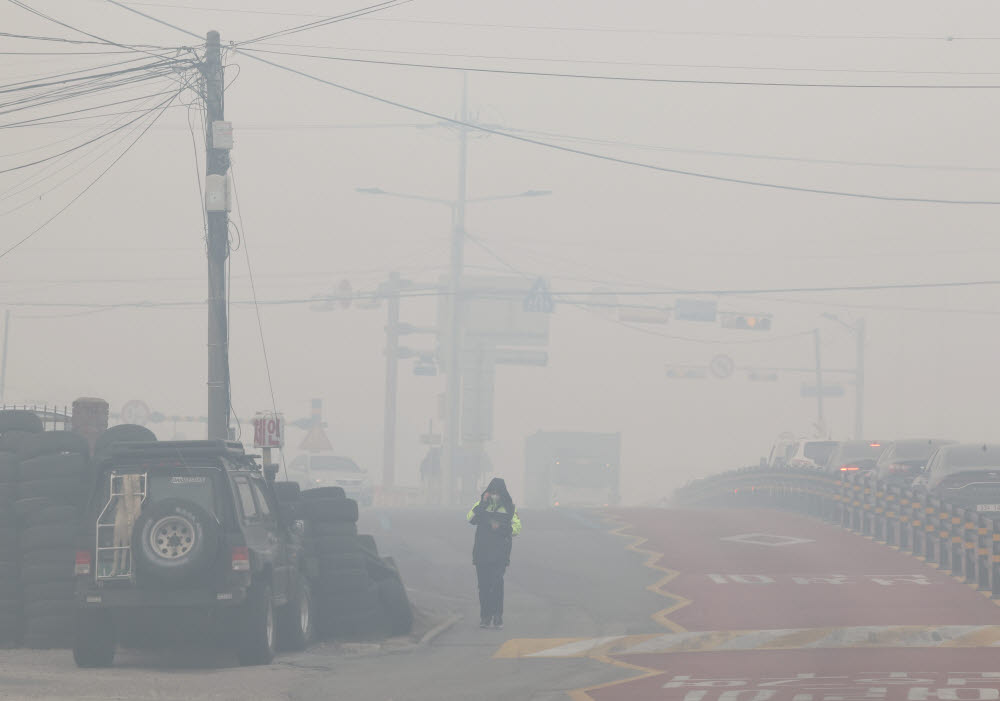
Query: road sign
[687, 373]
[539, 298]
[686, 309]
[722, 367]
[747, 322]
[828, 391]
[135, 411]
[520, 356]
[268, 431]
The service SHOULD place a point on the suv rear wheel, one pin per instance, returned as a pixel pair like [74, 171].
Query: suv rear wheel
[94, 639]
[257, 631]
[295, 619]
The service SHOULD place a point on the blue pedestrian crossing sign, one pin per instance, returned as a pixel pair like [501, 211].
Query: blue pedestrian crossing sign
[539, 298]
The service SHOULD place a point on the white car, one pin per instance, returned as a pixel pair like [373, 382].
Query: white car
[321, 470]
[811, 454]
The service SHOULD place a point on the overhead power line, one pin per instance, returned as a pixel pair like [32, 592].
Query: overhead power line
[353, 14]
[635, 79]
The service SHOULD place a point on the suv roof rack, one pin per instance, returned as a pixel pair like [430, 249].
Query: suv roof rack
[230, 449]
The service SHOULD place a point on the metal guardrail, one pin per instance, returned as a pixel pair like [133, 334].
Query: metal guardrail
[54, 418]
[963, 542]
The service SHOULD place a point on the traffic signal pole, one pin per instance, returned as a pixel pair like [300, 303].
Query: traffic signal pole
[859, 379]
[391, 383]
[216, 163]
[820, 421]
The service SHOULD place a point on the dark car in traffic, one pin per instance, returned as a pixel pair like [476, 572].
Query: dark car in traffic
[854, 457]
[902, 461]
[966, 475]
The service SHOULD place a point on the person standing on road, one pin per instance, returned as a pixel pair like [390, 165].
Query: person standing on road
[496, 522]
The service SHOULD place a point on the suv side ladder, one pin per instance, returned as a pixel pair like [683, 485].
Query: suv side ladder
[113, 549]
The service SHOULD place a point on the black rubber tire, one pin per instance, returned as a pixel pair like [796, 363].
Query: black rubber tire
[8, 467]
[382, 568]
[8, 492]
[287, 491]
[122, 433]
[323, 528]
[204, 532]
[331, 510]
[60, 491]
[10, 588]
[294, 633]
[361, 619]
[68, 514]
[33, 574]
[339, 582]
[8, 544]
[51, 535]
[49, 632]
[58, 556]
[94, 639]
[50, 608]
[367, 543]
[337, 545]
[331, 564]
[256, 645]
[324, 493]
[49, 591]
[23, 507]
[60, 466]
[10, 441]
[53, 443]
[395, 603]
[20, 420]
[10, 629]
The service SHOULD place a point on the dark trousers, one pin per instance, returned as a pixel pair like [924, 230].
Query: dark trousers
[490, 575]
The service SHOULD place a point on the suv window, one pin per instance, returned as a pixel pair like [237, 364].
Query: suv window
[262, 505]
[245, 493]
[190, 484]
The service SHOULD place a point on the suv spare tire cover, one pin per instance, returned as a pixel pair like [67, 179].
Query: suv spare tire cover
[20, 420]
[174, 539]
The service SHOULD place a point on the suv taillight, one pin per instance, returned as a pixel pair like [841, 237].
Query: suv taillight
[82, 567]
[241, 558]
[849, 468]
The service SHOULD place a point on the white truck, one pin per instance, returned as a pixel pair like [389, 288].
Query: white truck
[565, 468]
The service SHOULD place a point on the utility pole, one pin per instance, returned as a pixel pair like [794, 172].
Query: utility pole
[3, 362]
[820, 422]
[217, 216]
[391, 381]
[859, 381]
[453, 392]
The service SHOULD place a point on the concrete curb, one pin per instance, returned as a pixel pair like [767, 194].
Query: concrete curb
[440, 628]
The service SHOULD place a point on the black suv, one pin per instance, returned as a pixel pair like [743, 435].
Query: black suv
[187, 539]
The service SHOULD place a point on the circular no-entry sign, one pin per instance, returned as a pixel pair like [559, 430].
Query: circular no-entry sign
[722, 366]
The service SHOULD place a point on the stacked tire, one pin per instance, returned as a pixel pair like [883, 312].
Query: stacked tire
[53, 475]
[15, 427]
[359, 595]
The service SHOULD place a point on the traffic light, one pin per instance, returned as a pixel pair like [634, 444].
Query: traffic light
[747, 322]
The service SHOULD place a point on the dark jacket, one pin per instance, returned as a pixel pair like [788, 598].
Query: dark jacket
[494, 544]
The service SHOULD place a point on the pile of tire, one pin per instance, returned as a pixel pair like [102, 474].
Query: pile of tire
[359, 595]
[53, 477]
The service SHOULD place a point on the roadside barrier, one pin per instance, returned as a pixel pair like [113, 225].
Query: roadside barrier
[954, 539]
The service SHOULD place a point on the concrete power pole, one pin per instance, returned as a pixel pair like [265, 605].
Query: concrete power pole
[391, 383]
[859, 379]
[453, 393]
[216, 164]
[820, 421]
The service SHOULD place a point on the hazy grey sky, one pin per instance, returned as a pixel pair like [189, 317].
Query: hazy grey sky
[302, 148]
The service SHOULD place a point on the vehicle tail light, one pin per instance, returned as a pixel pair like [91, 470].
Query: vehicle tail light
[82, 567]
[849, 468]
[241, 558]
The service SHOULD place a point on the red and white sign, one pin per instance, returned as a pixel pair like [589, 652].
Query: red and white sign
[268, 431]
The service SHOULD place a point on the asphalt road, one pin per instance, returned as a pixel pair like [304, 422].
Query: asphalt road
[569, 578]
[678, 605]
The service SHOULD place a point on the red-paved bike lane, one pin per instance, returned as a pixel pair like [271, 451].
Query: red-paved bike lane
[748, 574]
